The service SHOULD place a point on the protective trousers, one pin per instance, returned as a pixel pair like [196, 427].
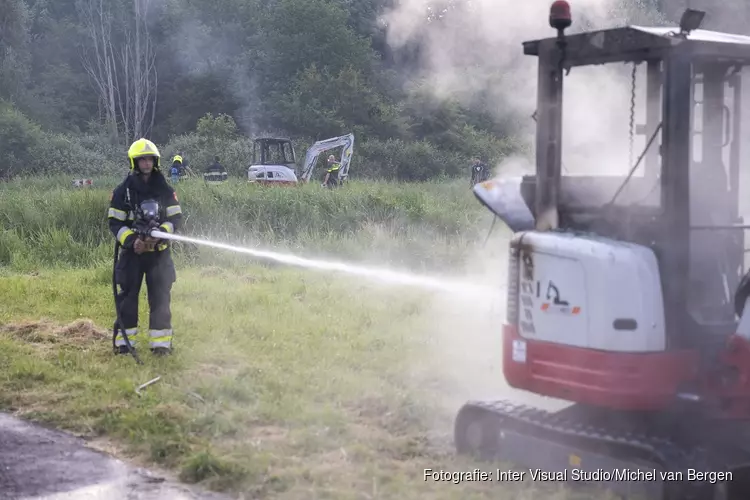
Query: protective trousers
[160, 275]
[333, 179]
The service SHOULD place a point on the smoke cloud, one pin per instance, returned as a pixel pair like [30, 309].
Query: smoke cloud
[475, 48]
[200, 50]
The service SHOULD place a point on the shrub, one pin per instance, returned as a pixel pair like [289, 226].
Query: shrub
[19, 136]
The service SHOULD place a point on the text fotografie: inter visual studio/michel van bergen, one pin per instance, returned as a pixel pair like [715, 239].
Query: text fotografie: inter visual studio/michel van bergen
[598, 475]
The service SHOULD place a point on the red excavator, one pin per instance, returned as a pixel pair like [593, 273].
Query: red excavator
[626, 294]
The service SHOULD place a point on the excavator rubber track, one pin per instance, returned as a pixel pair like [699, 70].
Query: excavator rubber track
[623, 459]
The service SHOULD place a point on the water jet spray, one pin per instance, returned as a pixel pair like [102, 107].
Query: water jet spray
[378, 274]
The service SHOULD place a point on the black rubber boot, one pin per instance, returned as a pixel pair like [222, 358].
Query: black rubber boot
[161, 351]
[121, 349]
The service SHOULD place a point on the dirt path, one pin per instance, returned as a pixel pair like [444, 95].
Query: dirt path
[37, 463]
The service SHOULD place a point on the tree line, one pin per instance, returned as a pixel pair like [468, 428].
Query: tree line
[81, 79]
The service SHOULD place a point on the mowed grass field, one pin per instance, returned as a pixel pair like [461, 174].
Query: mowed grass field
[286, 383]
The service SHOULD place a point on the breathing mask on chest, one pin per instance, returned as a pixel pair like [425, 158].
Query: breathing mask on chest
[147, 218]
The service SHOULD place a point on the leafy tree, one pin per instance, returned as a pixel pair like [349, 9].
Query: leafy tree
[220, 127]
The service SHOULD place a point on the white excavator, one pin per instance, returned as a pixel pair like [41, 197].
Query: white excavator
[274, 159]
[627, 295]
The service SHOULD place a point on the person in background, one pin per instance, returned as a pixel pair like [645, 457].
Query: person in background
[175, 171]
[479, 171]
[332, 174]
[184, 164]
[215, 173]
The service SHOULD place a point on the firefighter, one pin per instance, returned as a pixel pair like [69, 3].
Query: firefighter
[176, 170]
[184, 164]
[479, 171]
[148, 256]
[215, 173]
[332, 175]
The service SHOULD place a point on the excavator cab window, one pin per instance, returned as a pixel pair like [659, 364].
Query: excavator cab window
[273, 151]
[716, 192]
[275, 155]
[609, 160]
[603, 137]
[287, 152]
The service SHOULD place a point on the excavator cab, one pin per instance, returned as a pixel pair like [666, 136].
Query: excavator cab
[274, 151]
[274, 161]
[680, 196]
[625, 277]
[680, 193]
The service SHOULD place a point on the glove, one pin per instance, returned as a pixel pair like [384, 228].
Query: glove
[139, 246]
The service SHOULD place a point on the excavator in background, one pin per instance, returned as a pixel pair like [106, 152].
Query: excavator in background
[626, 294]
[274, 159]
[311, 158]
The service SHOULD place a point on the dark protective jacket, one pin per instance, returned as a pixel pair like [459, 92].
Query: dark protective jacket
[132, 191]
[214, 168]
[215, 173]
[479, 173]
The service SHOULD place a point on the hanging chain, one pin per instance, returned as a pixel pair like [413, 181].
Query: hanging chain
[632, 114]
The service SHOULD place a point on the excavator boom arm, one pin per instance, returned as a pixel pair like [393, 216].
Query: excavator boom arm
[321, 146]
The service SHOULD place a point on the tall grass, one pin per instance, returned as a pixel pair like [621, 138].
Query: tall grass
[44, 222]
[284, 384]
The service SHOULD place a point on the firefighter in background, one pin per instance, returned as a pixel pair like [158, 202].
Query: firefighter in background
[184, 164]
[176, 171]
[148, 256]
[479, 171]
[332, 174]
[215, 173]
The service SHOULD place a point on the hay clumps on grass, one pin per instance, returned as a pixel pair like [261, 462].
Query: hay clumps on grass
[44, 331]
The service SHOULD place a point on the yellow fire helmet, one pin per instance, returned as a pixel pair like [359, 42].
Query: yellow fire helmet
[177, 159]
[143, 147]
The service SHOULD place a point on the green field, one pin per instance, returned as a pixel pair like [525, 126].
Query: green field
[286, 383]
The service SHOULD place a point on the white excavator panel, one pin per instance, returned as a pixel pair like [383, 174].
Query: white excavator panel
[585, 291]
